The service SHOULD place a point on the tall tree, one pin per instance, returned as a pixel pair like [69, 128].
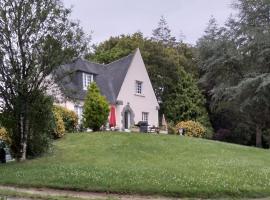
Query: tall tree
[36, 37]
[251, 34]
[235, 67]
[163, 33]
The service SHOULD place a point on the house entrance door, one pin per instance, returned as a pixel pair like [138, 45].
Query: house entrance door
[127, 119]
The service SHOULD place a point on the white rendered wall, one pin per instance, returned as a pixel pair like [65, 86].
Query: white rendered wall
[147, 102]
[68, 104]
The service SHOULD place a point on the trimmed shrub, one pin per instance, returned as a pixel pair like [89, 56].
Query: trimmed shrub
[96, 108]
[69, 117]
[4, 135]
[59, 126]
[191, 128]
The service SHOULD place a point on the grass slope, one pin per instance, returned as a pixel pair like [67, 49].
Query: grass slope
[147, 164]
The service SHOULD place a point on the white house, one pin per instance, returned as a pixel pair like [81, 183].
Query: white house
[125, 83]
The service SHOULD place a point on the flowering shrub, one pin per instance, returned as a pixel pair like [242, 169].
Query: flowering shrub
[4, 135]
[191, 128]
[69, 117]
[59, 126]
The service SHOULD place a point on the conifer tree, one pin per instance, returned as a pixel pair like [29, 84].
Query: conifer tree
[235, 72]
[95, 109]
[163, 33]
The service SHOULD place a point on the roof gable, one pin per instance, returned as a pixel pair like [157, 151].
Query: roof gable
[113, 77]
[137, 72]
[109, 78]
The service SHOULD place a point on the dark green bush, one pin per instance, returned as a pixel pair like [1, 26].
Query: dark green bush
[41, 126]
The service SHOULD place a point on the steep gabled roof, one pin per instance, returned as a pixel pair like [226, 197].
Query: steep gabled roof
[111, 80]
[109, 77]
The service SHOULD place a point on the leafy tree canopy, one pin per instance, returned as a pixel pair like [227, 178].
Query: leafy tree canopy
[36, 37]
[235, 70]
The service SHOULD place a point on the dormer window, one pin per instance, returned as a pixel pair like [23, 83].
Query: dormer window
[138, 87]
[87, 80]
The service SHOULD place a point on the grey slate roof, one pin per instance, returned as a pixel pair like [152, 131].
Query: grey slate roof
[108, 77]
[86, 66]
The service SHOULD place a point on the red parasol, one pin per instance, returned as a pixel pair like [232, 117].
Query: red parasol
[112, 120]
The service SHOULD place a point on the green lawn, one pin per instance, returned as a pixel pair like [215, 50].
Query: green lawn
[147, 164]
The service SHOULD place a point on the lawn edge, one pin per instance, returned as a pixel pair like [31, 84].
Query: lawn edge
[169, 195]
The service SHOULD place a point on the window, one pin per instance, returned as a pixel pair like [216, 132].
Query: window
[79, 111]
[87, 80]
[139, 87]
[145, 116]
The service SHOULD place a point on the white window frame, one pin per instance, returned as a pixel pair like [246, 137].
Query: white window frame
[139, 87]
[145, 116]
[87, 80]
[79, 111]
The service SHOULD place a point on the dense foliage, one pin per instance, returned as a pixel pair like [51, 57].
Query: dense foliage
[235, 73]
[4, 136]
[191, 128]
[69, 118]
[41, 127]
[59, 125]
[36, 37]
[168, 62]
[95, 108]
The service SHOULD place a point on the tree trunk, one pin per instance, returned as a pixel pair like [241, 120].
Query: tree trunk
[24, 128]
[258, 136]
[23, 141]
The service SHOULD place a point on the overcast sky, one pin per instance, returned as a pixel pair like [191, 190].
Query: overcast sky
[114, 17]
